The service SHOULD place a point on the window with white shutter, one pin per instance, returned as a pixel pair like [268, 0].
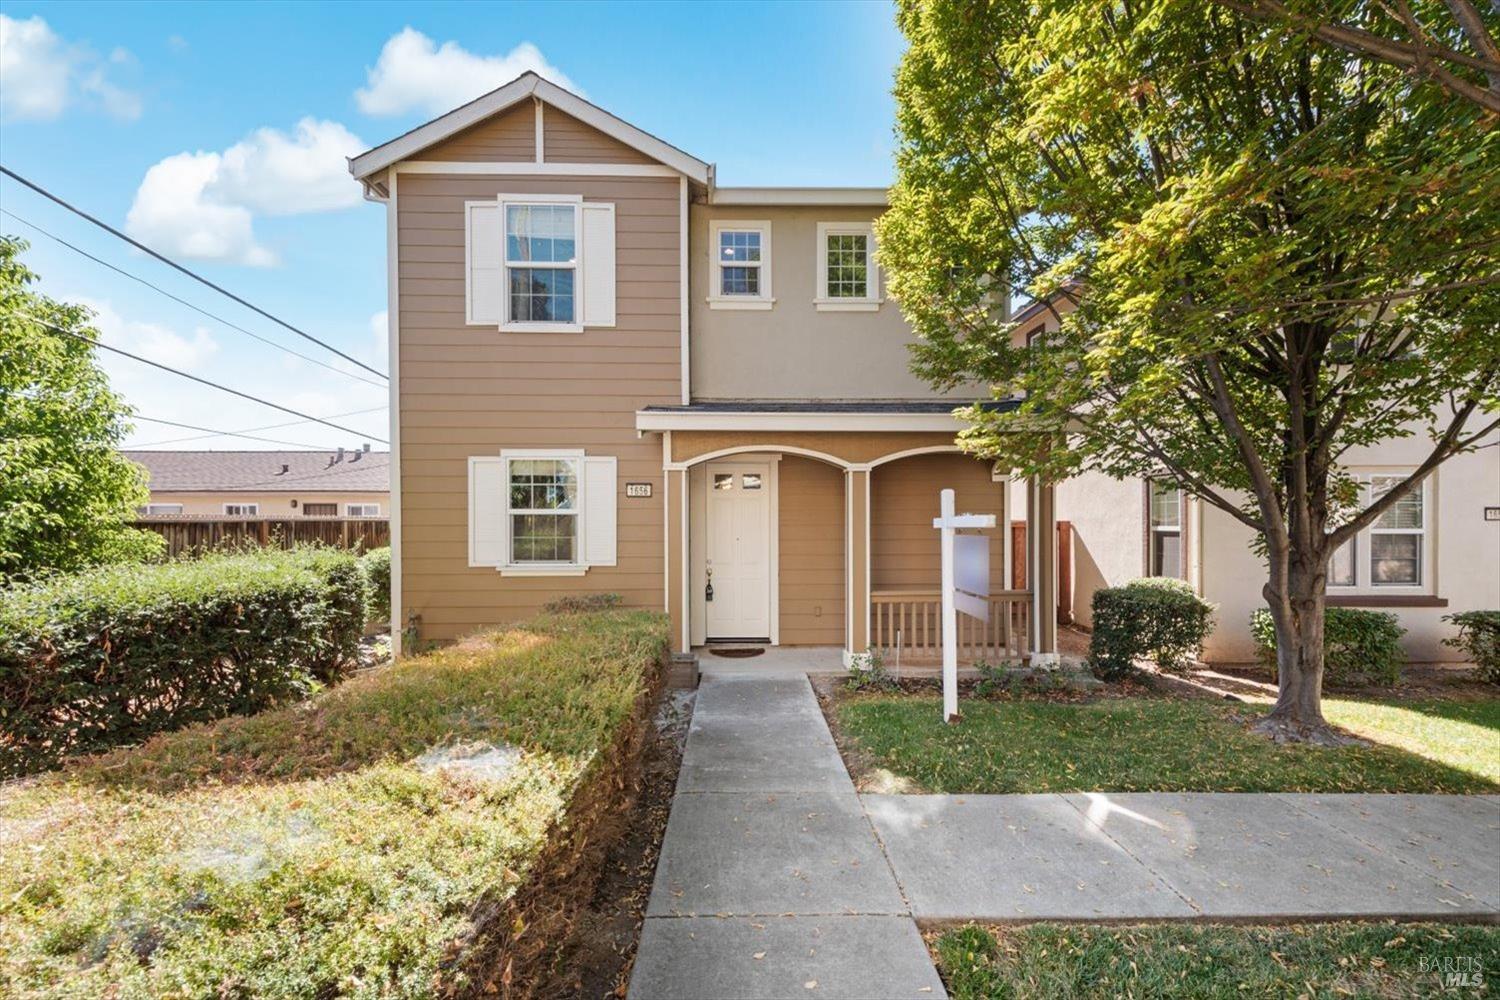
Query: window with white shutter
[598, 264]
[599, 514]
[483, 266]
[540, 512]
[539, 264]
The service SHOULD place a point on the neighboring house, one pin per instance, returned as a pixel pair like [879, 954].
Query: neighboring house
[241, 484]
[609, 374]
[1436, 553]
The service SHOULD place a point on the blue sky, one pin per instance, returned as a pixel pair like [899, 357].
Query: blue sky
[216, 133]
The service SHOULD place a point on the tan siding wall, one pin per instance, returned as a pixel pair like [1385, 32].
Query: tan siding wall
[565, 139]
[903, 502]
[270, 503]
[811, 552]
[471, 390]
[506, 138]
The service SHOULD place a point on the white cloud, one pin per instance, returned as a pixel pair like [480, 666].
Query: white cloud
[414, 74]
[152, 340]
[203, 205]
[41, 75]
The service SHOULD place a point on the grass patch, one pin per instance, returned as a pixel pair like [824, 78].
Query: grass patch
[1197, 960]
[316, 850]
[1153, 744]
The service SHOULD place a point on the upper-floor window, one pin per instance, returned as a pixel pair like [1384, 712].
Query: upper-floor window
[541, 263]
[1393, 552]
[1165, 530]
[740, 274]
[242, 509]
[847, 276]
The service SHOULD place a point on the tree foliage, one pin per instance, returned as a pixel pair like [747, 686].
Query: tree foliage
[1260, 252]
[65, 491]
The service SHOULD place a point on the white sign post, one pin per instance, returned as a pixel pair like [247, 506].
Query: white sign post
[966, 585]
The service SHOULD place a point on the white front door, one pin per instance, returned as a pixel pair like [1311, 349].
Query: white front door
[738, 556]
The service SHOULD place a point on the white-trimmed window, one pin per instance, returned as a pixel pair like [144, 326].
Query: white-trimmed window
[362, 510]
[1393, 554]
[539, 264]
[160, 508]
[1165, 530]
[242, 509]
[535, 512]
[740, 269]
[848, 279]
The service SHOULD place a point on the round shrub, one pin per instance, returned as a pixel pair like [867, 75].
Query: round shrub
[1479, 638]
[376, 565]
[1359, 646]
[1155, 617]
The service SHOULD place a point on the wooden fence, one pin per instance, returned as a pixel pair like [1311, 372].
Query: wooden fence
[187, 533]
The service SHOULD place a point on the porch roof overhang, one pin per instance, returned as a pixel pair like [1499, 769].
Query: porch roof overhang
[879, 416]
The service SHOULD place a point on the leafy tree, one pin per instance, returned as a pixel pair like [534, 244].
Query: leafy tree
[1259, 251]
[65, 491]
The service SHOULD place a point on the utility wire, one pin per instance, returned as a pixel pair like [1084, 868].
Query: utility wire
[202, 381]
[214, 433]
[243, 432]
[191, 274]
[185, 302]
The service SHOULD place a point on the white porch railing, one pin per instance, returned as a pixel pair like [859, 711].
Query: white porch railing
[912, 621]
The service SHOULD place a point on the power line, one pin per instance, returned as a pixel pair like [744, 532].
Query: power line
[191, 274]
[198, 309]
[202, 381]
[243, 432]
[214, 433]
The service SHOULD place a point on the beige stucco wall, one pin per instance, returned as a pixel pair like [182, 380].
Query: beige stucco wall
[793, 351]
[271, 504]
[1108, 518]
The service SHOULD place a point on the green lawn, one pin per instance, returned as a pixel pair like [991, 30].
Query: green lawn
[323, 848]
[1216, 961]
[1153, 744]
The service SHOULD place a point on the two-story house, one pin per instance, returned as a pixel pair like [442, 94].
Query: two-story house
[609, 374]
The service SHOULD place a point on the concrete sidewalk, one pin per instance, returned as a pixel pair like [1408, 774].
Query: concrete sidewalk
[777, 880]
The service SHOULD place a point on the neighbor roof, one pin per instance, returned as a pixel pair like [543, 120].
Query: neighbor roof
[266, 471]
[527, 85]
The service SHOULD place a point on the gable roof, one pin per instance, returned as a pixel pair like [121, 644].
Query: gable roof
[266, 471]
[527, 85]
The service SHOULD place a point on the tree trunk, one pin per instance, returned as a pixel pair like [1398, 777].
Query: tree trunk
[1297, 613]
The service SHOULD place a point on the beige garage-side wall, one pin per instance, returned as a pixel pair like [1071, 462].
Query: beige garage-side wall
[1108, 523]
[472, 390]
[903, 502]
[271, 504]
[1466, 555]
[793, 351]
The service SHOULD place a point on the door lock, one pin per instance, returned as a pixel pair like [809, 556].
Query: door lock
[708, 589]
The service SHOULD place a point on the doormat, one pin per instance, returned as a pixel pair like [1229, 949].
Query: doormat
[736, 652]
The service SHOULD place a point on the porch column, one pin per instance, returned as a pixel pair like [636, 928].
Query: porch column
[856, 561]
[675, 548]
[1041, 557]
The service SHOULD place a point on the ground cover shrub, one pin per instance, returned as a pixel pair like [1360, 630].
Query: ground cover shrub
[1156, 617]
[1479, 638]
[1359, 646]
[112, 655]
[417, 831]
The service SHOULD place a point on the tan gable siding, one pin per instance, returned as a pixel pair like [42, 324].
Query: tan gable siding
[903, 502]
[507, 137]
[810, 552]
[471, 390]
[565, 139]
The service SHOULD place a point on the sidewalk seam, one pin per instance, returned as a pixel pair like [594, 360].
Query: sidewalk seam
[1131, 855]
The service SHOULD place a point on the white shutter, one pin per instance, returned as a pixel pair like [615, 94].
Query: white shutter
[598, 264]
[487, 533]
[600, 504]
[483, 249]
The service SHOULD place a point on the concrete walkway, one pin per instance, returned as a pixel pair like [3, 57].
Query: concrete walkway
[777, 880]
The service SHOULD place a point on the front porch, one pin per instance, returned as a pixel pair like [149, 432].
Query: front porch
[802, 533]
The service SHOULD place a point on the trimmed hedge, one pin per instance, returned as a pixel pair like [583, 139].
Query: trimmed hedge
[377, 569]
[1155, 617]
[112, 655]
[1479, 637]
[1359, 646]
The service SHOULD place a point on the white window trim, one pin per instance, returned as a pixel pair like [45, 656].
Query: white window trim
[1364, 585]
[1178, 529]
[254, 509]
[576, 568]
[765, 300]
[576, 202]
[349, 509]
[156, 509]
[871, 300]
